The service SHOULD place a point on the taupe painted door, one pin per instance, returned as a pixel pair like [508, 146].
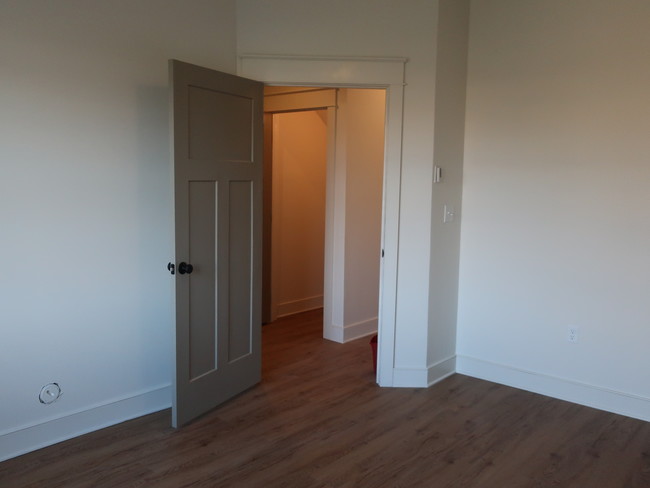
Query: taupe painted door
[217, 151]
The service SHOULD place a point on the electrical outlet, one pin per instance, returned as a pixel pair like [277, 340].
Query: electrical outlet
[50, 393]
[573, 334]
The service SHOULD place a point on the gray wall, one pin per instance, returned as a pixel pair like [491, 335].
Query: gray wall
[556, 207]
[85, 205]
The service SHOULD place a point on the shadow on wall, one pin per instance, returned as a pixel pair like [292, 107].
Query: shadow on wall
[154, 174]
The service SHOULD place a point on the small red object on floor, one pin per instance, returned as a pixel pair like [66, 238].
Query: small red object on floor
[373, 346]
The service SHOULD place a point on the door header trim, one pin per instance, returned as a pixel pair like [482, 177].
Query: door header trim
[323, 70]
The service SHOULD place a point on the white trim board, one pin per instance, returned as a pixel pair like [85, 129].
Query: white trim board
[322, 70]
[425, 377]
[298, 306]
[60, 429]
[350, 332]
[576, 392]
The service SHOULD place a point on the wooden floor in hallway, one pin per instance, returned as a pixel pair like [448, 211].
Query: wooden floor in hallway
[318, 420]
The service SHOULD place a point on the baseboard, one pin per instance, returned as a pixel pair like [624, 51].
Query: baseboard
[424, 377]
[442, 369]
[298, 306]
[350, 332]
[45, 434]
[581, 393]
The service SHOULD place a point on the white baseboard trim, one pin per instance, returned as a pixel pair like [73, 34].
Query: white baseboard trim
[573, 391]
[297, 306]
[50, 432]
[424, 377]
[442, 369]
[333, 333]
[350, 332]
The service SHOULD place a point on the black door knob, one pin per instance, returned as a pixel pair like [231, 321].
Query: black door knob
[171, 268]
[184, 267]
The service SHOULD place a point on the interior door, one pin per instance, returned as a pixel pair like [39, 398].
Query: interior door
[217, 148]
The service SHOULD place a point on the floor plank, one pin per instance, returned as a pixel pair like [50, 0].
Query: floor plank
[319, 420]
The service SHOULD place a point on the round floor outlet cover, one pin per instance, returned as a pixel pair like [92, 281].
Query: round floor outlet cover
[50, 393]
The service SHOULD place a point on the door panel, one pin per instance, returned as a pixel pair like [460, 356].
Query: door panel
[240, 264]
[217, 148]
[202, 216]
[220, 125]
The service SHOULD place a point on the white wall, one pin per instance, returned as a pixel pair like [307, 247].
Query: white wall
[85, 206]
[364, 123]
[298, 233]
[556, 203]
[375, 28]
[451, 79]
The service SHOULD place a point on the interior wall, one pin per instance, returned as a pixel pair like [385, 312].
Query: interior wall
[86, 206]
[403, 29]
[298, 223]
[364, 112]
[556, 203]
[448, 147]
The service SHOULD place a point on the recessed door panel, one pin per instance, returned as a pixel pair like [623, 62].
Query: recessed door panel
[203, 210]
[219, 125]
[240, 269]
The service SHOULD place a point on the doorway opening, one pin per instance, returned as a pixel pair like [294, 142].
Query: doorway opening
[387, 73]
[323, 193]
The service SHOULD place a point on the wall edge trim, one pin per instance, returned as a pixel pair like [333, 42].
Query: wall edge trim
[424, 377]
[53, 431]
[298, 306]
[593, 396]
[351, 332]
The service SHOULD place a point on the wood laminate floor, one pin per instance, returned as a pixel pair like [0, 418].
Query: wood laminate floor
[319, 420]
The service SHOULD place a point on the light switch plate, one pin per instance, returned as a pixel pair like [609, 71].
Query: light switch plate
[437, 174]
[449, 214]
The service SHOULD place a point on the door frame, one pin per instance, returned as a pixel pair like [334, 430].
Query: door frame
[354, 72]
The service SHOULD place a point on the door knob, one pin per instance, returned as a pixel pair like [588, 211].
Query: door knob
[171, 268]
[184, 267]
